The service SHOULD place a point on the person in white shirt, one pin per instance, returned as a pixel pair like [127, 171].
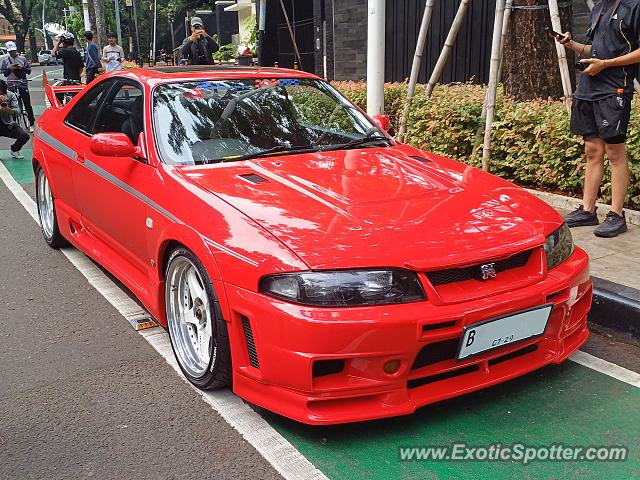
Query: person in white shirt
[112, 54]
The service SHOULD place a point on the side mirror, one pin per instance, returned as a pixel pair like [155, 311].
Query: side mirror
[113, 145]
[382, 121]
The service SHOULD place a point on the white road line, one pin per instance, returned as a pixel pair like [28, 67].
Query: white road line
[608, 368]
[48, 72]
[283, 456]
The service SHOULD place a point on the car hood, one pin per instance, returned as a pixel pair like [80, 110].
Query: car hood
[395, 206]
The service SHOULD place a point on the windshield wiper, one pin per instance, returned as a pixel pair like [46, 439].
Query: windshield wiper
[359, 142]
[267, 152]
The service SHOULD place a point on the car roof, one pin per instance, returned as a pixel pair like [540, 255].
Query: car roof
[155, 75]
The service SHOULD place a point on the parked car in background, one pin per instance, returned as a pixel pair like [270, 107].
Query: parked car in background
[45, 58]
[3, 53]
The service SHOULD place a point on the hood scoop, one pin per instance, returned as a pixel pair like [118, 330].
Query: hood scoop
[253, 178]
[421, 159]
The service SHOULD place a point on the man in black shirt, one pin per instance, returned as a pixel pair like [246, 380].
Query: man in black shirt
[72, 63]
[602, 107]
[199, 47]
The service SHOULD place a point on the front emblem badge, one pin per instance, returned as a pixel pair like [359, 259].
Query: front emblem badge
[488, 271]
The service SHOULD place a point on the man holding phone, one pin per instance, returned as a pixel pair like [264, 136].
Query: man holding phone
[112, 54]
[199, 47]
[602, 107]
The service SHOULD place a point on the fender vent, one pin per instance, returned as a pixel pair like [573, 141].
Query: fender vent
[253, 178]
[251, 344]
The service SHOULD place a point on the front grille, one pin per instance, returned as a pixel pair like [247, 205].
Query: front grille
[453, 275]
[251, 344]
[512, 355]
[419, 382]
[436, 352]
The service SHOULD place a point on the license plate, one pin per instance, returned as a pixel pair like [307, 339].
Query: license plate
[499, 332]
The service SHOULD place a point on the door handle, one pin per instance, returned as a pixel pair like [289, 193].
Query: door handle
[80, 157]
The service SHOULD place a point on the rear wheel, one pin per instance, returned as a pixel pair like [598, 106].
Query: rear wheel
[197, 330]
[47, 211]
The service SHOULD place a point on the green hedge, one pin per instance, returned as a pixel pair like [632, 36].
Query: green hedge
[531, 142]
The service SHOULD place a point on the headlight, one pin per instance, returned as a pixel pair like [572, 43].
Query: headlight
[558, 246]
[345, 288]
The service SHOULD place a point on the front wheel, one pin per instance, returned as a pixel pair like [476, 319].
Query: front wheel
[47, 211]
[197, 330]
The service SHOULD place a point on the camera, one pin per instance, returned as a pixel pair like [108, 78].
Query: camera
[4, 105]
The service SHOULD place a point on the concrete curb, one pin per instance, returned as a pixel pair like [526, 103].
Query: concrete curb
[616, 306]
[569, 203]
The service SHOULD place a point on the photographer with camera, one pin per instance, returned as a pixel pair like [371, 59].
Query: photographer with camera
[199, 47]
[72, 63]
[16, 68]
[602, 107]
[8, 126]
[112, 54]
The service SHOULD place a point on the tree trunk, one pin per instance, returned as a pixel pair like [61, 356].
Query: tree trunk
[33, 46]
[20, 43]
[101, 29]
[530, 68]
[92, 16]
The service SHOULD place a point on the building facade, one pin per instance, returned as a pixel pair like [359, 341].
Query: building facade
[332, 37]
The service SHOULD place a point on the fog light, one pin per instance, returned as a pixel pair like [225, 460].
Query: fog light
[391, 367]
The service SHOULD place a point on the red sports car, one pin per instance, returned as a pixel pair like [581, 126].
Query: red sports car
[296, 252]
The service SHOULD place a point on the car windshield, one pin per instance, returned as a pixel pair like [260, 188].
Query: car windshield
[216, 121]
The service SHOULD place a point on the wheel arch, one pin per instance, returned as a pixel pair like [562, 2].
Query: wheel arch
[176, 236]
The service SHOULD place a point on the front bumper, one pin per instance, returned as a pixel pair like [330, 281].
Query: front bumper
[275, 345]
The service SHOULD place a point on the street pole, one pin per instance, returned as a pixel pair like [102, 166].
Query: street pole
[261, 28]
[155, 28]
[129, 5]
[85, 14]
[44, 28]
[375, 57]
[135, 21]
[116, 4]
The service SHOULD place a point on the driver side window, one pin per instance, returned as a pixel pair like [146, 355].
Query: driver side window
[123, 112]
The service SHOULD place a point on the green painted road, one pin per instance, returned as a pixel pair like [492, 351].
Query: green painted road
[568, 405]
[21, 170]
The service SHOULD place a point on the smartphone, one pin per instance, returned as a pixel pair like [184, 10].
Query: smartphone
[581, 67]
[554, 33]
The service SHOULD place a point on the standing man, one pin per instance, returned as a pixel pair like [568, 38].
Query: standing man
[602, 107]
[16, 68]
[8, 126]
[72, 63]
[92, 57]
[112, 54]
[199, 47]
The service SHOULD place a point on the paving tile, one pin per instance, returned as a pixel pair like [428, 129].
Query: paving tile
[619, 268]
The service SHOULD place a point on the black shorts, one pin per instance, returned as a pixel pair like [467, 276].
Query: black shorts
[607, 119]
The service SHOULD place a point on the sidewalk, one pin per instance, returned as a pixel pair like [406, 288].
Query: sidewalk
[614, 259]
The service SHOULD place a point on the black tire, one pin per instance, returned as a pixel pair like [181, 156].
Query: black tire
[55, 239]
[218, 373]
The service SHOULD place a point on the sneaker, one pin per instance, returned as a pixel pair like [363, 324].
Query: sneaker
[17, 155]
[612, 226]
[582, 218]
[31, 129]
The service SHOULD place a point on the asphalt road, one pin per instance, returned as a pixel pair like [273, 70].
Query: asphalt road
[83, 396]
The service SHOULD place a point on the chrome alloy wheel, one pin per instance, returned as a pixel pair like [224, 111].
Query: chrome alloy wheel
[189, 317]
[45, 205]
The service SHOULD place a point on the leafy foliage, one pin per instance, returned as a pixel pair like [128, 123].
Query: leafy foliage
[226, 52]
[531, 142]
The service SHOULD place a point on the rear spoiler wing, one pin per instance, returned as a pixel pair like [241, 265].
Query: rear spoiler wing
[54, 93]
